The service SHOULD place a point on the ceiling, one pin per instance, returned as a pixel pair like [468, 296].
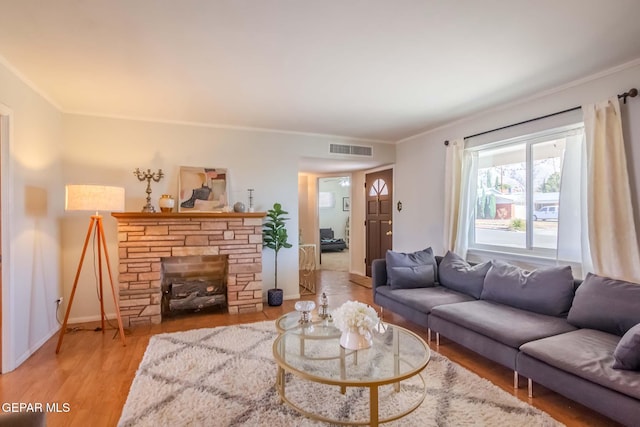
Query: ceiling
[374, 70]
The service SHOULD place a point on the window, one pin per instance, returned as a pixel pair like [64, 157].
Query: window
[326, 199]
[379, 188]
[516, 188]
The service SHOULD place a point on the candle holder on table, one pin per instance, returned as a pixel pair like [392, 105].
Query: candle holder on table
[324, 305]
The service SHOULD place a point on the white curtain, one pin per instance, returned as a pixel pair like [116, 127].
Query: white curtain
[467, 204]
[573, 224]
[452, 186]
[612, 233]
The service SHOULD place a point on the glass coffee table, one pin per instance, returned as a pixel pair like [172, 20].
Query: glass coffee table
[321, 373]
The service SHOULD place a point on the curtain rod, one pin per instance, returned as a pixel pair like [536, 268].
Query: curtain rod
[632, 93]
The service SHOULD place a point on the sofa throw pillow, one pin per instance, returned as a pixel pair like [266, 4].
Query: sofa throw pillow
[457, 274]
[606, 304]
[627, 352]
[411, 270]
[418, 276]
[546, 291]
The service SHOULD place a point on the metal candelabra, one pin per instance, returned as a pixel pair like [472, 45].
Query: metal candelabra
[148, 176]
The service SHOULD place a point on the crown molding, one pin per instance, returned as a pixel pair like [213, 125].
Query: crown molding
[24, 79]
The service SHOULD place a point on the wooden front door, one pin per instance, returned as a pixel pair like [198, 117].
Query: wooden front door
[379, 215]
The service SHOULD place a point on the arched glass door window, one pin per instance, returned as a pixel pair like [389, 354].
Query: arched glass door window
[378, 188]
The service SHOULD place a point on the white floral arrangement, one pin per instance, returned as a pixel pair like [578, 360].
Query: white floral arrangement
[354, 314]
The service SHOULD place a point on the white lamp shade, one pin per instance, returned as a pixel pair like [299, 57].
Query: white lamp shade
[94, 198]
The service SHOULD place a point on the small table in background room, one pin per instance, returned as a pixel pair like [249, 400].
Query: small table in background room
[307, 265]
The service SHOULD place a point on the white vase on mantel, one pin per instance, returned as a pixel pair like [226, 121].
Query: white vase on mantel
[352, 339]
[166, 203]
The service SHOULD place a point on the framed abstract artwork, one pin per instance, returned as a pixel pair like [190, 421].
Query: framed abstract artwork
[346, 204]
[203, 189]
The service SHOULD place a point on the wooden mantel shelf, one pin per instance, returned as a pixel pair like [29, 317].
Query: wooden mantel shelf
[157, 215]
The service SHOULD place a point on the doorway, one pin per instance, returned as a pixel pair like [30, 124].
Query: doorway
[334, 209]
[379, 215]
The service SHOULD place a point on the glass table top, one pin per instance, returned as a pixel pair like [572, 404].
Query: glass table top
[291, 320]
[313, 351]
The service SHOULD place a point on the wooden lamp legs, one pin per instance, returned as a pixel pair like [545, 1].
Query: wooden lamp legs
[94, 226]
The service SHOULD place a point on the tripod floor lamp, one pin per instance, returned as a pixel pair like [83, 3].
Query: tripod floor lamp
[94, 198]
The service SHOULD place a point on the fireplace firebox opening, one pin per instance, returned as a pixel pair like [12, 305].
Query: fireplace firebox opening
[193, 283]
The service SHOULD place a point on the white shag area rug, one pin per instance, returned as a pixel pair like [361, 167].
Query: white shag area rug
[225, 376]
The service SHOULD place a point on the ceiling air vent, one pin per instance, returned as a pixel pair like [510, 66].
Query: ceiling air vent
[351, 150]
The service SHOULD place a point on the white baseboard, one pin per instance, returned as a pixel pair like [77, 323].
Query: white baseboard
[27, 354]
[95, 318]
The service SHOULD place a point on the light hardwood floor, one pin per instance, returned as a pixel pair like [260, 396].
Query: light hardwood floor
[93, 372]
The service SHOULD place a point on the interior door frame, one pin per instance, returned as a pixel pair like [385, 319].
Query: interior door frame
[7, 361]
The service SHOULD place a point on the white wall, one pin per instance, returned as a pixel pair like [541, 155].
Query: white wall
[106, 151]
[305, 210]
[308, 210]
[358, 237]
[419, 172]
[32, 202]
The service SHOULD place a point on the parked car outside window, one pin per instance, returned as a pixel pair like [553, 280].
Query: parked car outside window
[545, 213]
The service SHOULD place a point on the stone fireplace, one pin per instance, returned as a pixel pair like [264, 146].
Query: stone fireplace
[144, 239]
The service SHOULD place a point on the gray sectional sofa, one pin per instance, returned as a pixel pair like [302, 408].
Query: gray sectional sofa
[580, 339]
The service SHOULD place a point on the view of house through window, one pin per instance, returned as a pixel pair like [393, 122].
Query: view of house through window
[518, 193]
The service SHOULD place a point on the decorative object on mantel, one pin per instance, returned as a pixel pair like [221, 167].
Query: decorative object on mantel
[148, 176]
[94, 198]
[357, 321]
[274, 236]
[166, 203]
[203, 189]
[251, 208]
[238, 207]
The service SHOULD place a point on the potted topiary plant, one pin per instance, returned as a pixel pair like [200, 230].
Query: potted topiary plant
[274, 236]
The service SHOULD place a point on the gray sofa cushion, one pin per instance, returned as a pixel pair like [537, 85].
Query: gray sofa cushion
[606, 304]
[546, 291]
[457, 274]
[587, 353]
[418, 276]
[508, 325]
[424, 299]
[627, 352]
[411, 270]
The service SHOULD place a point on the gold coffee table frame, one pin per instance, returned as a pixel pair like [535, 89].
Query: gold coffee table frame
[303, 333]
